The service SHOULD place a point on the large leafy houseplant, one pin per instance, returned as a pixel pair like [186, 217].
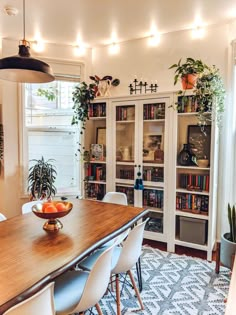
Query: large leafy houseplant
[184, 70]
[41, 179]
[82, 96]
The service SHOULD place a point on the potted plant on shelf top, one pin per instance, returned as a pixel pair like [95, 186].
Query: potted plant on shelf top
[187, 72]
[208, 89]
[41, 179]
[228, 240]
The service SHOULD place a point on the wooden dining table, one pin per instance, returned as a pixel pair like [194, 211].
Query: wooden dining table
[30, 257]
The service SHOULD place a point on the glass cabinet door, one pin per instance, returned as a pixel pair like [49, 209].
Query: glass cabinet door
[153, 156]
[125, 149]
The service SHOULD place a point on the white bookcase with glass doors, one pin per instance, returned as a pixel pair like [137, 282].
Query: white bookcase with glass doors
[142, 133]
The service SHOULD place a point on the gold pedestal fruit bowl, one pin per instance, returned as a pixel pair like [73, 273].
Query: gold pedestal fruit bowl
[51, 211]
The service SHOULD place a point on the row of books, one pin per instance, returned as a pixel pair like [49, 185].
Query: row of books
[154, 111]
[155, 174]
[192, 202]
[95, 191]
[194, 182]
[129, 191]
[153, 198]
[188, 104]
[96, 172]
[127, 174]
[124, 113]
[97, 110]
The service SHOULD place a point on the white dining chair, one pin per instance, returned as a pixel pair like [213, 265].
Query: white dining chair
[2, 217]
[27, 207]
[116, 197]
[123, 259]
[121, 198]
[41, 303]
[78, 291]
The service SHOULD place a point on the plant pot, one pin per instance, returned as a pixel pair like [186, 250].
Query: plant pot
[188, 81]
[227, 249]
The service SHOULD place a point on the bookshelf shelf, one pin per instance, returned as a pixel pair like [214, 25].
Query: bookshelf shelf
[154, 120]
[97, 182]
[192, 192]
[191, 215]
[193, 168]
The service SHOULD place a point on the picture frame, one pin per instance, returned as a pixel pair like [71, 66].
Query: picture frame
[152, 142]
[200, 141]
[101, 135]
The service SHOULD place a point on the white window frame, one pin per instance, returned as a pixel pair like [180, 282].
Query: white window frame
[23, 130]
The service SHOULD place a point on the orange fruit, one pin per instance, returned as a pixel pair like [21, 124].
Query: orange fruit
[51, 208]
[61, 206]
[45, 205]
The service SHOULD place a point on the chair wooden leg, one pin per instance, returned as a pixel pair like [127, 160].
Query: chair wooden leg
[217, 269]
[136, 289]
[112, 286]
[118, 295]
[98, 308]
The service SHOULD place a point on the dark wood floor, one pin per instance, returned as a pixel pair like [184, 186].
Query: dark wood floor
[180, 250]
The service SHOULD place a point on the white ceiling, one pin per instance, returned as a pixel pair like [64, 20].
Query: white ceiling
[94, 21]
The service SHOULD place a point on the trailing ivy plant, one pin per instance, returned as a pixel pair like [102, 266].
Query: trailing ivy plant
[210, 96]
[82, 96]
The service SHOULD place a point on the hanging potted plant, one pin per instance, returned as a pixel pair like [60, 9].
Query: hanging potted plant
[41, 179]
[82, 96]
[228, 240]
[187, 72]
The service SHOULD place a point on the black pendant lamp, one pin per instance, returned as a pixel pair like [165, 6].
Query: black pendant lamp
[23, 68]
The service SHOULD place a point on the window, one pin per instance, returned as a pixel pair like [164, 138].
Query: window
[48, 132]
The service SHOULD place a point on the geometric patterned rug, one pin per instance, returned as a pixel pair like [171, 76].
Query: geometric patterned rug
[174, 285]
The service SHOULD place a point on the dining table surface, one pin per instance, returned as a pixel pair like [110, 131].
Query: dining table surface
[31, 257]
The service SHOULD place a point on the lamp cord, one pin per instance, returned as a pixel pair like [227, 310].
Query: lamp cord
[24, 19]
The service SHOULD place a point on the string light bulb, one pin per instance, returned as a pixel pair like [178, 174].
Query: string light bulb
[79, 50]
[198, 32]
[114, 49]
[154, 39]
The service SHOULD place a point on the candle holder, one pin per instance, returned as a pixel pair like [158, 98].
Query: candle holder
[140, 86]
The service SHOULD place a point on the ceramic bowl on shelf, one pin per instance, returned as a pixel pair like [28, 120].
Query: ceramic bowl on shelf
[203, 163]
[51, 211]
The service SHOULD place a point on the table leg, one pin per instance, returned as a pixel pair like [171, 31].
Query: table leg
[217, 269]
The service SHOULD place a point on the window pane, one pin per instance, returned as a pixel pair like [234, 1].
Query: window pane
[48, 116]
[60, 146]
[49, 104]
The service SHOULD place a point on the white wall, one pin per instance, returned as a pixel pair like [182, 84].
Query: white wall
[152, 63]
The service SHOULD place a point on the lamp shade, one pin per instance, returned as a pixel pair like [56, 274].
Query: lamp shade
[25, 69]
